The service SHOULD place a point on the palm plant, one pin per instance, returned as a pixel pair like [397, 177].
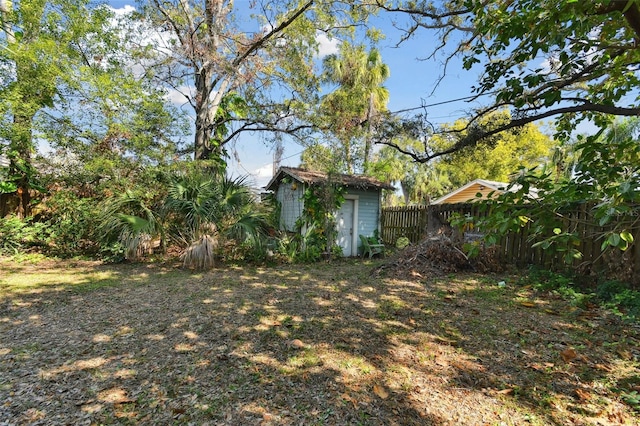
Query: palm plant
[199, 213]
[128, 220]
[207, 209]
[359, 97]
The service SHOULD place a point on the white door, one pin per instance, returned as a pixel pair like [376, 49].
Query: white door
[345, 221]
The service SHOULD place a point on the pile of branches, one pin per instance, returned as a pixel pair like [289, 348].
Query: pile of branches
[438, 255]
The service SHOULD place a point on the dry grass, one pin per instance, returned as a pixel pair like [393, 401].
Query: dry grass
[317, 344]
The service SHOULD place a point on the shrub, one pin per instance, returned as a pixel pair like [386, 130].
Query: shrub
[71, 224]
[18, 235]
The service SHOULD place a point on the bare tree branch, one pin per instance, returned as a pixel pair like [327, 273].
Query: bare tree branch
[472, 138]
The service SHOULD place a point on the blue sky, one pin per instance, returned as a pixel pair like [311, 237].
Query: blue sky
[410, 85]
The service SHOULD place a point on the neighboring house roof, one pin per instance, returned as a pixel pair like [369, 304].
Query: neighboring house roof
[313, 177]
[468, 192]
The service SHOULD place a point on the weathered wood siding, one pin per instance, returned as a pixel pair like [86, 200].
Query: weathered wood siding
[408, 221]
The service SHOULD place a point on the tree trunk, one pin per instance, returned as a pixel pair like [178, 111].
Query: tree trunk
[20, 165]
[367, 138]
[206, 108]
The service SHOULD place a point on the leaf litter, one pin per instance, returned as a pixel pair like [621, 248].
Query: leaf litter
[313, 344]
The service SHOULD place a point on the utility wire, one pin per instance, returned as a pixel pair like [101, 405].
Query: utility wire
[450, 101]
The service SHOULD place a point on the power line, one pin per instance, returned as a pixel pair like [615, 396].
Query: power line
[450, 101]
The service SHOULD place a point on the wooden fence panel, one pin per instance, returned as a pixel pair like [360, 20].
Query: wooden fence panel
[415, 222]
[410, 222]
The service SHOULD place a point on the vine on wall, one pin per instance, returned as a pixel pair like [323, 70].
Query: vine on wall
[317, 224]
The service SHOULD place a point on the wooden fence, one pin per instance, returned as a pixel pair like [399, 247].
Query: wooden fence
[416, 222]
[409, 221]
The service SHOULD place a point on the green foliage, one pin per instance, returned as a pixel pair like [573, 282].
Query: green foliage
[632, 399]
[615, 296]
[496, 158]
[317, 222]
[420, 182]
[537, 58]
[319, 157]
[603, 189]
[18, 235]
[620, 298]
[45, 71]
[71, 224]
[562, 285]
[197, 206]
[352, 108]
[128, 220]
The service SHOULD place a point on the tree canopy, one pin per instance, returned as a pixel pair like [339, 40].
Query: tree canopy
[351, 110]
[263, 60]
[501, 158]
[567, 59]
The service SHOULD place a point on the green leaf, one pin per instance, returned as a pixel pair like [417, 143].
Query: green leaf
[8, 187]
[626, 236]
[604, 220]
[137, 223]
[614, 240]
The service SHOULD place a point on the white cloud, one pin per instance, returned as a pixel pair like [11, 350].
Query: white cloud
[264, 171]
[122, 11]
[326, 46]
[177, 96]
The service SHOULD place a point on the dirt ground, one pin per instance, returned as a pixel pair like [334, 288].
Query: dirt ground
[324, 344]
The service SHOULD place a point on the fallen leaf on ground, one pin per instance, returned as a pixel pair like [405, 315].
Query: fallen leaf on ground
[297, 344]
[445, 340]
[528, 304]
[114, 395]
[583, 395]
[568, 355]
[345, 396]
[380, 391]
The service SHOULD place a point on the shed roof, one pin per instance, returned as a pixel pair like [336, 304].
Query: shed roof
[314, 177]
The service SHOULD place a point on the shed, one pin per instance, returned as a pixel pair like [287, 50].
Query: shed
[359, 214]
[485, 187]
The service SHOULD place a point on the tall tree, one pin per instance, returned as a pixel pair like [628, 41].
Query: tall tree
[212, 51]
[67, 81]
[352, 108]
[39, 40]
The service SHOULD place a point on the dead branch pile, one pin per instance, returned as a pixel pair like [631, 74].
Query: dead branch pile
[438, 255]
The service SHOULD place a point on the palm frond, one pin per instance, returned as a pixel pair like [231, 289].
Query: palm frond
[200, 255]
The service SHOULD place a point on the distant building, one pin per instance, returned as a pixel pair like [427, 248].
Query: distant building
[468, 192]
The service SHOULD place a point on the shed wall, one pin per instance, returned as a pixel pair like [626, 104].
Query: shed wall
[290, 198]
[368, 210]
